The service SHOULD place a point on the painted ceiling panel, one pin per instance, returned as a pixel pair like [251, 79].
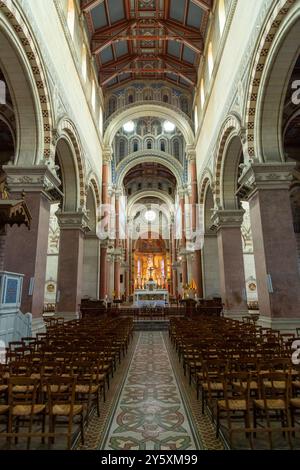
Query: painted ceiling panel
[195, 15]
[188, 55]
[155, 35]
[116, 10]
[177, 8]
[174, 48]
[99, 16]
[121, 48]
[106, 55]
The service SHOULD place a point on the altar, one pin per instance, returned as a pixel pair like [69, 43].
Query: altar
[151, 296]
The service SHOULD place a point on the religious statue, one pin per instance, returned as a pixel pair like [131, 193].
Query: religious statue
[3, 185]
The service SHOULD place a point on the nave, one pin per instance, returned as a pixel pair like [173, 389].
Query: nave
[210, 385]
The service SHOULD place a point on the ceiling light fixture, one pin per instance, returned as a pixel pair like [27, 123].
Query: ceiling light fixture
[129, 126]
[150, 216]
[169, 126]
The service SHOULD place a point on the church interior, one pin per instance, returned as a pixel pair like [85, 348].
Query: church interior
[150, 225]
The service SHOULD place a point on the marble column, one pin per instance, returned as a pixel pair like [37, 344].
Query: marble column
[117, 261]
[274, 243]
[196, 260]
[210, 260]
[103, 270]
[91, 265]
[231, 261]
[103, 288]
[26, 250]
[70, 261]
[184, 268]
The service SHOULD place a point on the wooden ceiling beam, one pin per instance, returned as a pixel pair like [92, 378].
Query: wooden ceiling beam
[90, 5]
[204, 4]
[188, 36]
[106, 36]
[118, 64]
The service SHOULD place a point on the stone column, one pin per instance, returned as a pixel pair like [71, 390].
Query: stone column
[91, 265]
[274, 243]
[197, 261]
[26, 250]
[211, 265]
[117, 264]
[231, 261]
[183, 240]
[70, 261]
[107, 156]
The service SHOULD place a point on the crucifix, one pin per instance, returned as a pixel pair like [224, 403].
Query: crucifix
[151, 271]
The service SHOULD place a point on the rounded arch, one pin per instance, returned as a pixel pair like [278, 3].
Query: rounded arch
[153, 156]
[67, 128]
[266, 78]
[96, 188]
[69, 173]
[139, 111]
[22, 65]
[206, 199]
[150, 194]
[91, 206]
[233, 152]
[231, 127]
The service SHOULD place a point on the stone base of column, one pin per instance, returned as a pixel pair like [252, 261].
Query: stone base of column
[287, 325]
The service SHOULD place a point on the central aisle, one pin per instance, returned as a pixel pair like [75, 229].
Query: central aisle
[150, 413]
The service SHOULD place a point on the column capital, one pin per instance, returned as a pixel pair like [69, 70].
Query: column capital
[33, 179]
[107, 154]
[227, 218]
[191, 153]
[183, 191]
[73, 221]
[260, 176]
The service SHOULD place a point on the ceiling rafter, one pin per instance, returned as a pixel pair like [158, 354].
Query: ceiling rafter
[204, 4]
[105, 36]
[192, 38]
[88, 6]
[149, 30]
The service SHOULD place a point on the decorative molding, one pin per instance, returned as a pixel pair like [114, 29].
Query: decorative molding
[260, 176]
[73, 221]
[33, 179]
[227, 219]
[23, 31]
[144, 103]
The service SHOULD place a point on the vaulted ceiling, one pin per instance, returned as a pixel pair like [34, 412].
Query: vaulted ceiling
[147, 39]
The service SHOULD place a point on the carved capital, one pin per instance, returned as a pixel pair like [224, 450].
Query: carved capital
[33, 179]
[191, 153]
[107, 155]
[73, 221]
[261, 176]
[227, 218]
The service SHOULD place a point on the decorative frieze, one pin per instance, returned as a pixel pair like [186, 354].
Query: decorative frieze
[227, 218]
[259, 176]
[33, 179]
[73, 221]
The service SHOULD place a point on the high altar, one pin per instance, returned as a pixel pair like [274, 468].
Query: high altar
[151, 296]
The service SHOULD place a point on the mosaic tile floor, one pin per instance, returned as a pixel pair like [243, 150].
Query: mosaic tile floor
[150, 413]
[150, 404]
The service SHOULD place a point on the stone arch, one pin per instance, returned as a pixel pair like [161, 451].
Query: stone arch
[91, 206]
[96, 188]
[139, 111]
[18, 36]
[153, 156]
[260, 63]
[67, 128]
[232, 127]
[207, 179]
[157, 194]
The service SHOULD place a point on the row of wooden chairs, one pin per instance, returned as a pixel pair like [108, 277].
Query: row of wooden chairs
[240, 371]
[59, 377]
